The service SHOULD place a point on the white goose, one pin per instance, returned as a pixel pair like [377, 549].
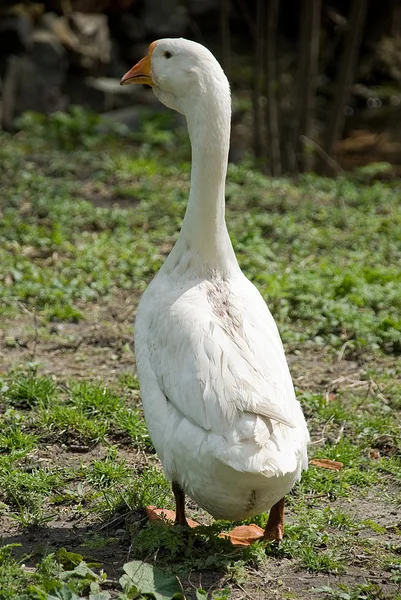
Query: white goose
[216, 390]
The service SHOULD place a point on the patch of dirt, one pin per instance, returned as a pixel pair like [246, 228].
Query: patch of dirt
[315, 368]
[101, 197]
[75, 456]
[99, 347]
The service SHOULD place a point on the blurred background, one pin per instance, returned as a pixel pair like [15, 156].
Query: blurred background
[316, 83]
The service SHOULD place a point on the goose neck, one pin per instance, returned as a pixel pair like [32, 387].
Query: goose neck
[204, 230]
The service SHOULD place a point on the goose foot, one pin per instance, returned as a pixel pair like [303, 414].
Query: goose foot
[274, 530]
[239, 536]
[244, 535]
[177, 517]
[164, 515]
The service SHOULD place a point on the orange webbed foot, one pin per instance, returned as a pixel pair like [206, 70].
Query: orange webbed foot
[244, 535]
[163, 515]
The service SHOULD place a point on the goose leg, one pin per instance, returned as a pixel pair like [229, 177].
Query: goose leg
[274, 530]
[247, 534]
[179, 496]
[178, 516]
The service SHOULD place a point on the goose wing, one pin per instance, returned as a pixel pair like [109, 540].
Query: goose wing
[214, 365]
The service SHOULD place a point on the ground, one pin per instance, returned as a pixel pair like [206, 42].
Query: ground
[86, 221]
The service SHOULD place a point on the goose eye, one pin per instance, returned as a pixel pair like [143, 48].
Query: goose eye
[167, 54]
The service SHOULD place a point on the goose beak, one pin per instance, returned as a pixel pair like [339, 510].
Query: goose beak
[141, 72]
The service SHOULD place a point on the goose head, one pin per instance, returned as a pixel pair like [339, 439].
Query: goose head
[180, 72]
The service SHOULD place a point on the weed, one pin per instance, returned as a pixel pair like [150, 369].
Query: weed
[128, 381]
[324, 562]
[131, 421]
[14, 440]
[151, 488]
[62, 312]
[27, 390]
[72, 424]
[331, 301]
[105, 473]
[93, 400]
[339, 519]
[374, 526]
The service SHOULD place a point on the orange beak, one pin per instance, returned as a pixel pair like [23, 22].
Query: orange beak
[141, 72]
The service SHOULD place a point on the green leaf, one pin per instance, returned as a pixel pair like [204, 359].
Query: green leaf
[201, 594]
[130, 590]
[64, 593]
[142, 578]
[82, 570]
[69, 560]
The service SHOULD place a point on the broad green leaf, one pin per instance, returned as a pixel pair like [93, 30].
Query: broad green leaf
[130, 590]
[64, 593]
[82, 570]
[69, 560]
[143, 578]
[201, 594]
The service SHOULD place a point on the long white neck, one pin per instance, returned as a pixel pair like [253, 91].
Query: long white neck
[204, 232]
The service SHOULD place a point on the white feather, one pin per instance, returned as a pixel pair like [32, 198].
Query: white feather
[216, 389]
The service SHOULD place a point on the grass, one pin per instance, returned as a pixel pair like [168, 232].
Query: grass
[324, 253]
[74, 448]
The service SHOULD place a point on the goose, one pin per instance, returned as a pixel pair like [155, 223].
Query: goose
[216, 389]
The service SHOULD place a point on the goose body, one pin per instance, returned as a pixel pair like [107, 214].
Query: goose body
[216, 389]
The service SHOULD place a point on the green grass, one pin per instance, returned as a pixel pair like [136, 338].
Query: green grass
[325, 255]
[25, 390]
